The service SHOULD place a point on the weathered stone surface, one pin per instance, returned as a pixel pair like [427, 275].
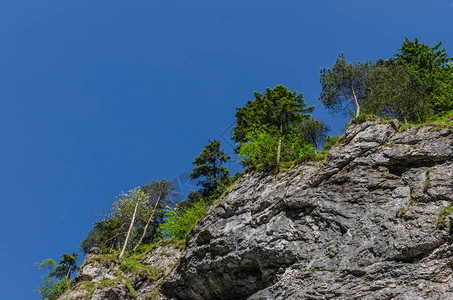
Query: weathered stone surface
[101, 277]
[360, 226]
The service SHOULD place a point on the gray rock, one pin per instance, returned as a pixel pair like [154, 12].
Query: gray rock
[364, 224]
[102, 277]
[360, 226]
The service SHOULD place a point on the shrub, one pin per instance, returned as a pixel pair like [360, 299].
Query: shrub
[179, 222]
[261, 149]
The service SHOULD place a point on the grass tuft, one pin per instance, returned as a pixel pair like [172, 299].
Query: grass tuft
[442, 221]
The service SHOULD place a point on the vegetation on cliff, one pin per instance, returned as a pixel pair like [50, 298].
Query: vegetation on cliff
[275, 130]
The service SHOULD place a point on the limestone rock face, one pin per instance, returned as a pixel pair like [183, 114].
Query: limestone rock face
[368, 223]
[363, 225]
[104, 277]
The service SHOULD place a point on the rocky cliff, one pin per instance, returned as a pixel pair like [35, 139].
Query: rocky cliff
[370, 222]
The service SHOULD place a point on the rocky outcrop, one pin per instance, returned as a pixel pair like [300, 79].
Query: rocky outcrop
[135, 277]
[369, 223]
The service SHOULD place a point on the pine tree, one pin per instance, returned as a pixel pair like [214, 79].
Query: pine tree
[66, 266]
[344, 84]
[208, 168]
[433, 69]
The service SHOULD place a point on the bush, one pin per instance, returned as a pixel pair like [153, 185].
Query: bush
[179, 222]
[261, 149]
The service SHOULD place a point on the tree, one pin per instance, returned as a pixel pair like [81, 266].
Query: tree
[415, 84]
[128, 208]
[56, 281]
[344, 84]
[433, 69]
[276, 110]
[106, 233]
[312, 131]
[158, 193]
[66, 266]
[395, 92]
[208, 165]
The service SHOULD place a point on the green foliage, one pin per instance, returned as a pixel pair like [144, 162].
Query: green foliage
[105, 234]
[132, 266]
[66, 266]
[208, 166]
[329, 142]
[51, 288]
[427, 184]
[262, 145]
[444, 119]
[56, 280]
[401, 213]
[130, 208]
[109, 233]
[275, 111]
[276, 108]
[125, 205]
[179, 222]
[414, 85]
[159, 193]
[396, 92]
[344, 84]
[312, 131]
[442, 222]
[433, 69]
[363, 118]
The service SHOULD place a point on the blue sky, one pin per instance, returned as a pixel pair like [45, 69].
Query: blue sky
[98, 97]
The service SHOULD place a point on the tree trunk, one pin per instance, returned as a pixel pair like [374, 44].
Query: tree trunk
[279, 144]
[147, 223]
[129, 231]
[214, 175]
[357, 113]
[69, 272]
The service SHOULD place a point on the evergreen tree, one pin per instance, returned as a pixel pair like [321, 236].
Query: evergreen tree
[208, 168]
[276, 110]
[344, 84]
[415, 84]
[395, 92]
[312, 131]
[55, 282]
[66, 266]
[433, 69]
[106, 233]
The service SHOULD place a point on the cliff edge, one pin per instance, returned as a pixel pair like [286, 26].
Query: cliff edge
[370, 222]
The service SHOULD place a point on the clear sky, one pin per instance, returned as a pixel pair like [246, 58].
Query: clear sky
[98, 97]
